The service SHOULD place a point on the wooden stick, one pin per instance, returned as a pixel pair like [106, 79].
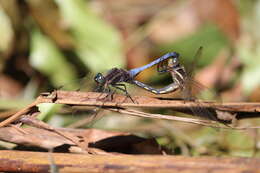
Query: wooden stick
[19, 161]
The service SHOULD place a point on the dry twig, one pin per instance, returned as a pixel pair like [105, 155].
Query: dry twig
[234, 110]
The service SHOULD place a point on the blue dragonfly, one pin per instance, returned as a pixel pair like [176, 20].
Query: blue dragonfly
[115, 78]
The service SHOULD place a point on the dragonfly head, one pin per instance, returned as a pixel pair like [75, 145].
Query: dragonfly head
[99, 79]
[174, 62]
[171, 64]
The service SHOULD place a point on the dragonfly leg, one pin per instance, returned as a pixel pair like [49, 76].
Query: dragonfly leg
[117, 86]
[110, 93]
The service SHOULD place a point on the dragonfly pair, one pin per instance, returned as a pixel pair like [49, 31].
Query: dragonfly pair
[115, 77]
[168, 63]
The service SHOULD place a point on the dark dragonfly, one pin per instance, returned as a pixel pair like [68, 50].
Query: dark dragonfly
[115, 78]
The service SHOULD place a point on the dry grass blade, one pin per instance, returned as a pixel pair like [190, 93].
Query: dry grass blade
[166, 117]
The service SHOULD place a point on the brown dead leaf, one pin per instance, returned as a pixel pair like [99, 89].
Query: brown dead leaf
[100, 139]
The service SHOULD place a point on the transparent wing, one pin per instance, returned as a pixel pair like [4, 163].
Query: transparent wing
[81, 116]
[194, 90]
[190, 73]
[200, 91]
[190, 69]
[85, 83]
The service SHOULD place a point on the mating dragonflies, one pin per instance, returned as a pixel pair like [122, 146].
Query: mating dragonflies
[168, 63]
[116, 76]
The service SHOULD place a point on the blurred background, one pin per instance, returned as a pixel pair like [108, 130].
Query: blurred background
[53, 44]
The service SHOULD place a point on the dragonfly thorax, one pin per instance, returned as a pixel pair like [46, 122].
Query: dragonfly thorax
[117, 75]
[177, 71]
[114, 76]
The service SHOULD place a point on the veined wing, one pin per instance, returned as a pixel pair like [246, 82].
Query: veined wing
[84, 115]
[195, 91]
[190, 88]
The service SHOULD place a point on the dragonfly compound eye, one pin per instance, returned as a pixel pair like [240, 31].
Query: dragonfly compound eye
[173, 62]
[99, 78]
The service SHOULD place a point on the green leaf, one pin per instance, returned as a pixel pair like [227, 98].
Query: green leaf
[48, 59]
[209, 37]
[47, 110]
[97, 43]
